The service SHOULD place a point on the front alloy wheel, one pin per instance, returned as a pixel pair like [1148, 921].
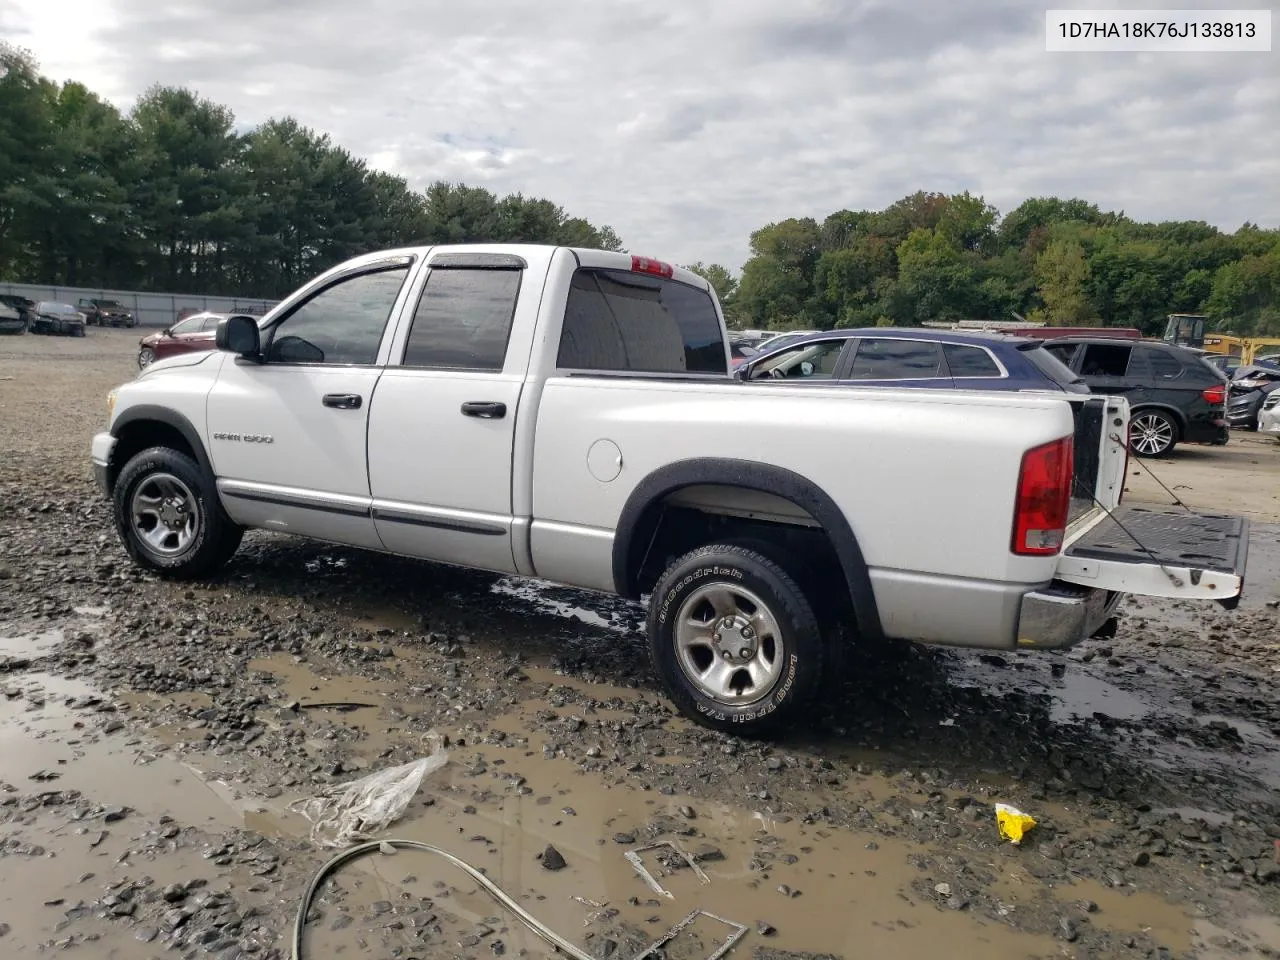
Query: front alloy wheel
[164, 514]
[1152, 434]
[145, 356]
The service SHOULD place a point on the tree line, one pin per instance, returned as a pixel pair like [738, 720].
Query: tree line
[932, 257]
[169, 196]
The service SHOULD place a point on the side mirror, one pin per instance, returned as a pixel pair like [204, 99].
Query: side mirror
[239, 335]
[743, 371]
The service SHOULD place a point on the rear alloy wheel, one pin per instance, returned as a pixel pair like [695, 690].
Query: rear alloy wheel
[734, 640]
[1152, 433]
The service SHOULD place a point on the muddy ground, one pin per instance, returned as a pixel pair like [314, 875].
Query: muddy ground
[154, 738]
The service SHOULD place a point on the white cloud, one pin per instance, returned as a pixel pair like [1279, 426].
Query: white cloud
[688, 124]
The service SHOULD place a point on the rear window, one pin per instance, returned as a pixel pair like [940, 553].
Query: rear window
[1051, 366]
[619, 320]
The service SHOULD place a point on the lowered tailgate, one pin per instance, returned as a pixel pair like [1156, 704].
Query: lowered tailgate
[1161, 552]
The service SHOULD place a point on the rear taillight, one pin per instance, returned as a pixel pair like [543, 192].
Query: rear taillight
[656, 267]
[1215, 395]
[1044, 498]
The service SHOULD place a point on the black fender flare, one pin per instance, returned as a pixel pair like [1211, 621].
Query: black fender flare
[152, 413]
[750, 475]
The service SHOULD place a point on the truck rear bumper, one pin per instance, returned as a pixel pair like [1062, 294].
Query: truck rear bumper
[1062, 614]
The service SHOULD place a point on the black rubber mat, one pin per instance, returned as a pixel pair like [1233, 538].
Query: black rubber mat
[1167, 536]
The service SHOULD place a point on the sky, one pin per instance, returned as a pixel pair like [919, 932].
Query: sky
[687, 124]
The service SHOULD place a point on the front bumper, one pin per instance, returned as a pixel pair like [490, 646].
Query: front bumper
[1269, 422]
[1062, 614]
[100, 454]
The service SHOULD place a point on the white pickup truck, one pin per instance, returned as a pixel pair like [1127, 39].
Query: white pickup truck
[570, 415]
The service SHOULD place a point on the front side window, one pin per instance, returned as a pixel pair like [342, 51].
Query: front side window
[342, 324]
[891, 359]
[619, 320]
[463, 320]
[807, 361]
[189, 325]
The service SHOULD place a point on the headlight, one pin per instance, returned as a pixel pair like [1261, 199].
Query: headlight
[111, 404]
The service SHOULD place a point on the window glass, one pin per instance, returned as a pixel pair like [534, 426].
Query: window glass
[1163, 366]
[618, 320]
[189, 325]
[463, 320]
[1065, 352]
[342, 324]
[882, 359]
[969, 361]
[211, 323]
[1105, 360]
[806, 361]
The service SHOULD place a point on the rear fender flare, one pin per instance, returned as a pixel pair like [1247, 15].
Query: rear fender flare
[638, 518]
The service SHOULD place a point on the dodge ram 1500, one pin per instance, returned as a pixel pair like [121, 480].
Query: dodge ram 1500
[570, 415]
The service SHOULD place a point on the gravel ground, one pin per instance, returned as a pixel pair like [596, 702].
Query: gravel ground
[154, 736]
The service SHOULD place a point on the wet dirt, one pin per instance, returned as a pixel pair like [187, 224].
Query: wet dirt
[199, 713]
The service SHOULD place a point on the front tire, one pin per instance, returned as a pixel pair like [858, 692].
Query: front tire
[169, 517]
[734, 640]
[145, 356]
[1152, 433]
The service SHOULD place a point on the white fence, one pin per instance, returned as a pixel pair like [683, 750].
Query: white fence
[150, 309]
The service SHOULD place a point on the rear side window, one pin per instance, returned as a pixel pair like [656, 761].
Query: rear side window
[1163, 366]
[881, 359]
[969, 361]
[463, 320]
[619, 320]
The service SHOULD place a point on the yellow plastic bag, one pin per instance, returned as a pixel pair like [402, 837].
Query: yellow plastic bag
[1013, 823]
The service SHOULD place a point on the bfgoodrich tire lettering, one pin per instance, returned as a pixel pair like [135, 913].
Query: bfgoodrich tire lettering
[161, 479]
[728, 672]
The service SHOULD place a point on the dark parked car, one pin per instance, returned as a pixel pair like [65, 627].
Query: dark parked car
[915, 357]
[58, 319]
[1175, 396]
[1245, 393]
[106, 313]
[16, 313]
[192, 334]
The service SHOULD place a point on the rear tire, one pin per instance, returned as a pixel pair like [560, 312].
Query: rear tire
[169, 518]
[734, 640]
[1152, 433]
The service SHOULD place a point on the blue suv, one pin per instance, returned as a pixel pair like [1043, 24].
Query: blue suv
[915, 357]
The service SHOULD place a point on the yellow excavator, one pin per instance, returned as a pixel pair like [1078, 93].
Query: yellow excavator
[1188, 330]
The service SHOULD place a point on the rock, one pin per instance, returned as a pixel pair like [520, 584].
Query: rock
[146, 934]
[4, 929]
[765, 929]
[942, 889]
[1067, 929]
[552, 859]
[1141, 858]
[687, 812]
[174, 893]
[624, 838]
[114, 814]
[707, 853]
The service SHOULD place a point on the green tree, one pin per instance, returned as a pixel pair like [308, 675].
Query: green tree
[1062, 275]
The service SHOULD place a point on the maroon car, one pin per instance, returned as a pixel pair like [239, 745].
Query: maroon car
[189, 335]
